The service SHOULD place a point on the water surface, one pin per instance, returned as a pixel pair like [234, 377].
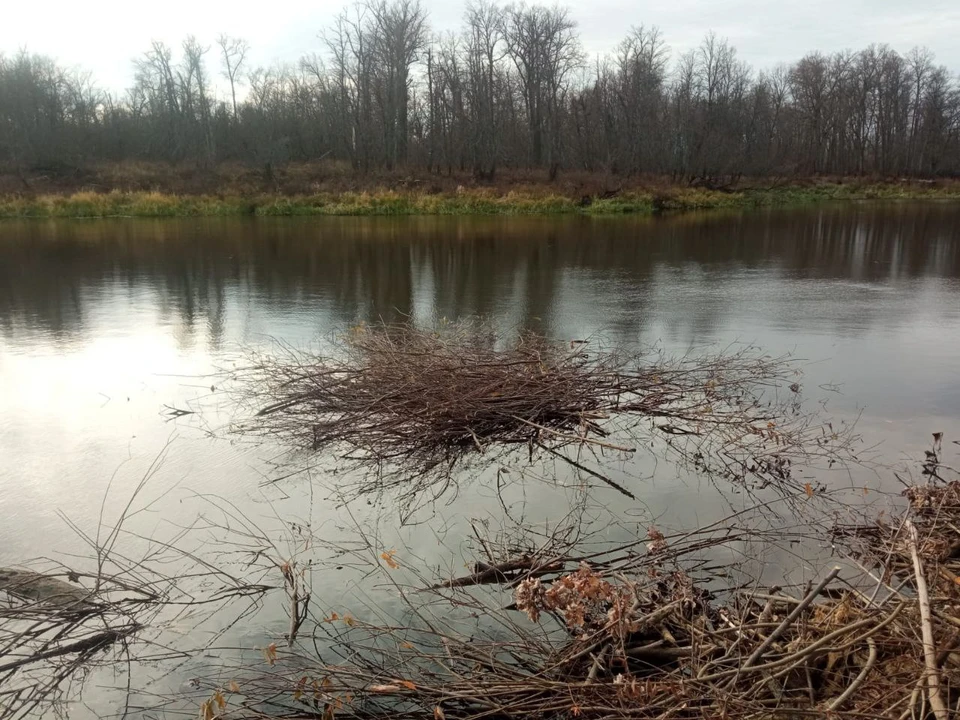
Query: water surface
[104, 323]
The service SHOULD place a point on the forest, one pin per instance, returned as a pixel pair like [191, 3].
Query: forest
[512, 88]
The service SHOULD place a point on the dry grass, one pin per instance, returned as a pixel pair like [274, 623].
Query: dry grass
[327, 188]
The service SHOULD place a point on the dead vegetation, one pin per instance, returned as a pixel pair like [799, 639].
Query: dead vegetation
[336, 178]
[651, 629]
[408, 408]
[590, 615]
[106, 610]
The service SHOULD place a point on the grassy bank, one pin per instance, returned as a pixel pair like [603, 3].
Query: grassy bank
[473, 201]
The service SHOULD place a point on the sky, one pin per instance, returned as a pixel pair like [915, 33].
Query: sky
[104, 36]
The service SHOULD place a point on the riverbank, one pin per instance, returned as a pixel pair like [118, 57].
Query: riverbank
[524, 200]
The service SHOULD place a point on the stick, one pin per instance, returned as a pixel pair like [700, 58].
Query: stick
[616, 486]
[929, 649]
[858, 680]
[90, 644]
[765, 645]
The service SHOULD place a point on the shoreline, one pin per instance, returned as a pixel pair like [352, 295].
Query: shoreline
[532, 200]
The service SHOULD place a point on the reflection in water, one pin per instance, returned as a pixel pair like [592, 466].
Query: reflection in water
[527, 271]
[102, 323]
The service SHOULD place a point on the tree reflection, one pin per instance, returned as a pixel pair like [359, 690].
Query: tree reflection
[208, 277]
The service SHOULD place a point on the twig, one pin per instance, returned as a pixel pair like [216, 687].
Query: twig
[794, 614]
[838, 702]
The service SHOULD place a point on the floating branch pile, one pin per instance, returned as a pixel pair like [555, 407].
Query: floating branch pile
[408, 406]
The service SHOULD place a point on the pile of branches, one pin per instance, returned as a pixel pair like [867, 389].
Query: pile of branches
[640, 631]
[643, 647]
[408, 406]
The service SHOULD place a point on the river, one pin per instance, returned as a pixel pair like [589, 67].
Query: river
[105, 325]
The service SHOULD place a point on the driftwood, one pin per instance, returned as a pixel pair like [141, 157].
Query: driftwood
[504, 572]
[44, 589]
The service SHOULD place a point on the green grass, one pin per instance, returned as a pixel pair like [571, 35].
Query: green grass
[469, 202]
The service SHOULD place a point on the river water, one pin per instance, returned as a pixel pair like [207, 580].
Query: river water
[105, 325]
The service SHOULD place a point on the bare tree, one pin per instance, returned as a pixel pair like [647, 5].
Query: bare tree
[234, 53]
[484, 49]
[400, 34]
[545, 50]
[196, 98]
[351, 45]
[641, 69]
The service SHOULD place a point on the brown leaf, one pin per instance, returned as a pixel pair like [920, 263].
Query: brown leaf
[388, 559]
[219, 699]
[808, 489]
[438, 713]
[233, 687]
[407, 684]
[270, 653]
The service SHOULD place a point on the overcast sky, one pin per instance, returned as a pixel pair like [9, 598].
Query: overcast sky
[103, 36]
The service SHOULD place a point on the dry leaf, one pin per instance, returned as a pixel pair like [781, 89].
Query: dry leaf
[219, 699]
[332, 618]
[808, 489]
[206, 710]
[233, 687]
[407, 684]
[406, 645]
[388, 559]
[270, 653]
[348, 620]
[438, 713]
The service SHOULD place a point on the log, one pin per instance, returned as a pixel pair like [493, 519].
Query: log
[44, 589]
[504, 572]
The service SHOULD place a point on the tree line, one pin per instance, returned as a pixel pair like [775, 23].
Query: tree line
[512, 88]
